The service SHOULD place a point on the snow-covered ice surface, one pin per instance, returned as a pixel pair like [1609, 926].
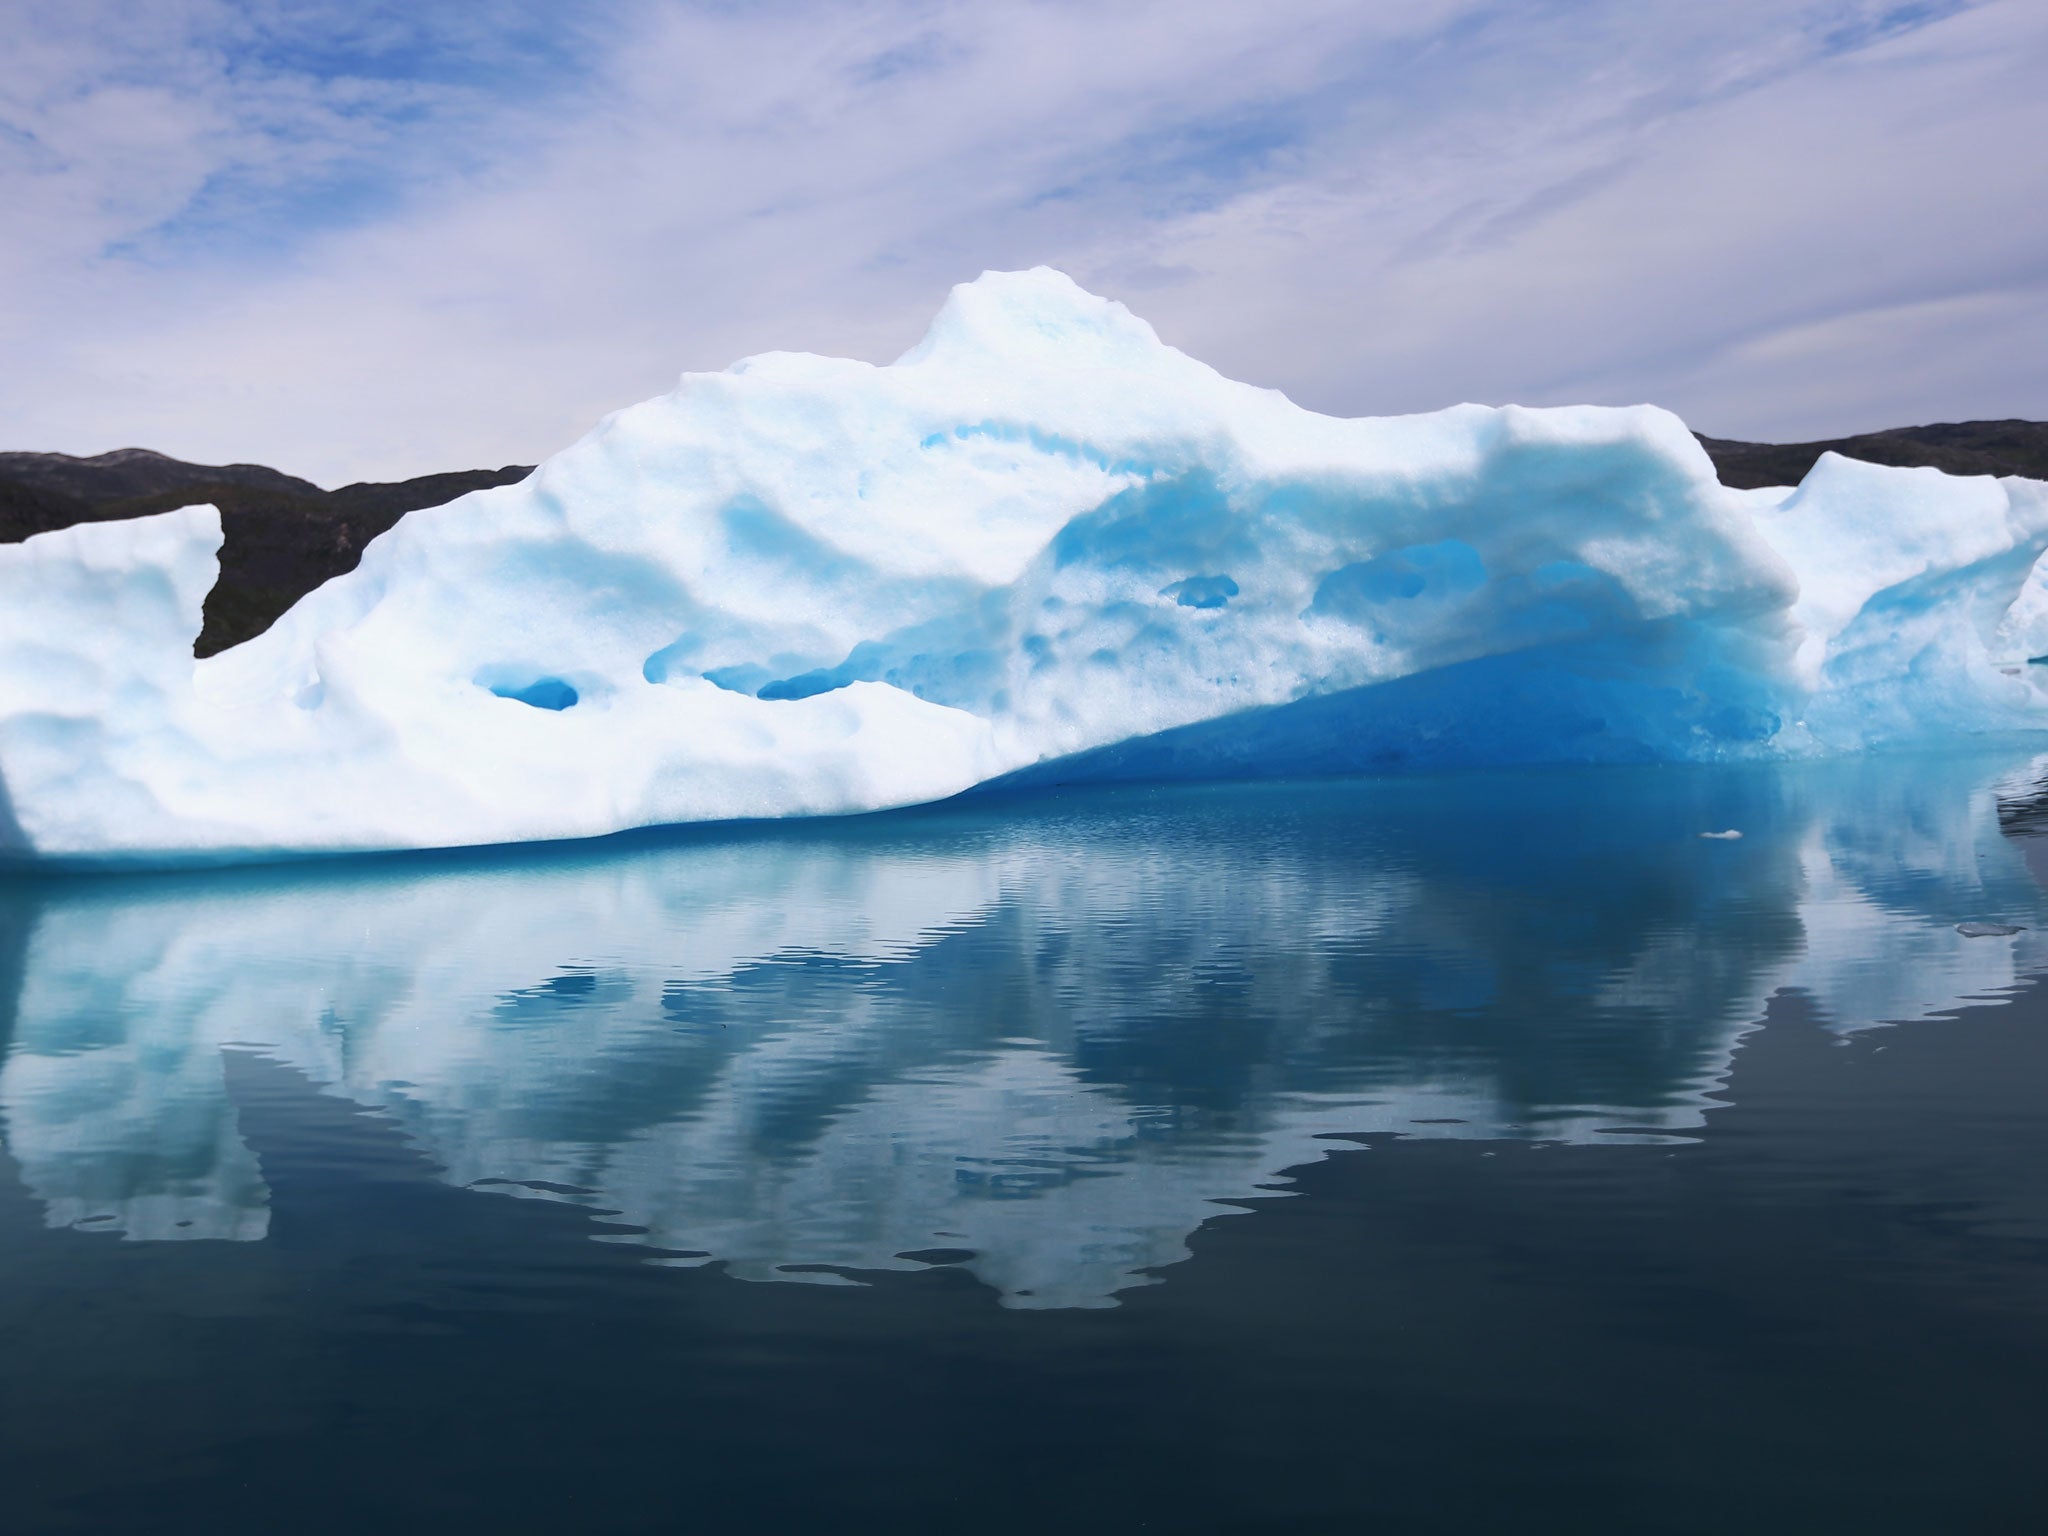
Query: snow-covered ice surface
[1041, 542]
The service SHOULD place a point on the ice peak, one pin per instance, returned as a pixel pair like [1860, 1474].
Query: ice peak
[1042, 310]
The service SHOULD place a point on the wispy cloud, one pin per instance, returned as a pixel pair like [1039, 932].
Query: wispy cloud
[360, 239]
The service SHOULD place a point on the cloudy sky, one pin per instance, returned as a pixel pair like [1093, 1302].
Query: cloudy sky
[372, 238]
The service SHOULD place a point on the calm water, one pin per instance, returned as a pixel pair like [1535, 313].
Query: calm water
[1464, 1154]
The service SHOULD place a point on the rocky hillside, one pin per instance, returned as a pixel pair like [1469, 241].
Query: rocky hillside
[283, 536]
[1959, 447]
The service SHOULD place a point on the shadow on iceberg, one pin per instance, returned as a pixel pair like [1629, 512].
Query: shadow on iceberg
[13, 842]
[1662, 693]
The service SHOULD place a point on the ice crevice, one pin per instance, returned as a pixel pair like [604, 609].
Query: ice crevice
[1040, 546]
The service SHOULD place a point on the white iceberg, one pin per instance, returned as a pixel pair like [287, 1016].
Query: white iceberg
[1042, 541]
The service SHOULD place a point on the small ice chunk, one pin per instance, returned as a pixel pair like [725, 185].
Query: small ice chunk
[1988, 930]
[1723, 837]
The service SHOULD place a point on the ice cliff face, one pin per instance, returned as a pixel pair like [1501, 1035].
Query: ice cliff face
[806, 586]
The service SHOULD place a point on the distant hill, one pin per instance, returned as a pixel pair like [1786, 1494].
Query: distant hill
[284, 536]
[1959, 447]
[137, 472]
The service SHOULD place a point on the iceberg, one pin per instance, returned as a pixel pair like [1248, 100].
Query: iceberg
[1042, 546]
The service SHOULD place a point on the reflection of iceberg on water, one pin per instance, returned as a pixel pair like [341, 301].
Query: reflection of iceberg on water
[1051, 1038]
[135, 1135]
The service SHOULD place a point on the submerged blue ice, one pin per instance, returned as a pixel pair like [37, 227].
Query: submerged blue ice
[1040, 545]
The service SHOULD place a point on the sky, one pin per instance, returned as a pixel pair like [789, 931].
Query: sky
[366, 239]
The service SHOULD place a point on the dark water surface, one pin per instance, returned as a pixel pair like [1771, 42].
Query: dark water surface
[1468, 1154]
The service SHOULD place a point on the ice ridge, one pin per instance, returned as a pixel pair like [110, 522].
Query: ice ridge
[1040, 545]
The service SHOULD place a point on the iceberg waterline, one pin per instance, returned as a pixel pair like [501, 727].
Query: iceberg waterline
[1042, 543]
